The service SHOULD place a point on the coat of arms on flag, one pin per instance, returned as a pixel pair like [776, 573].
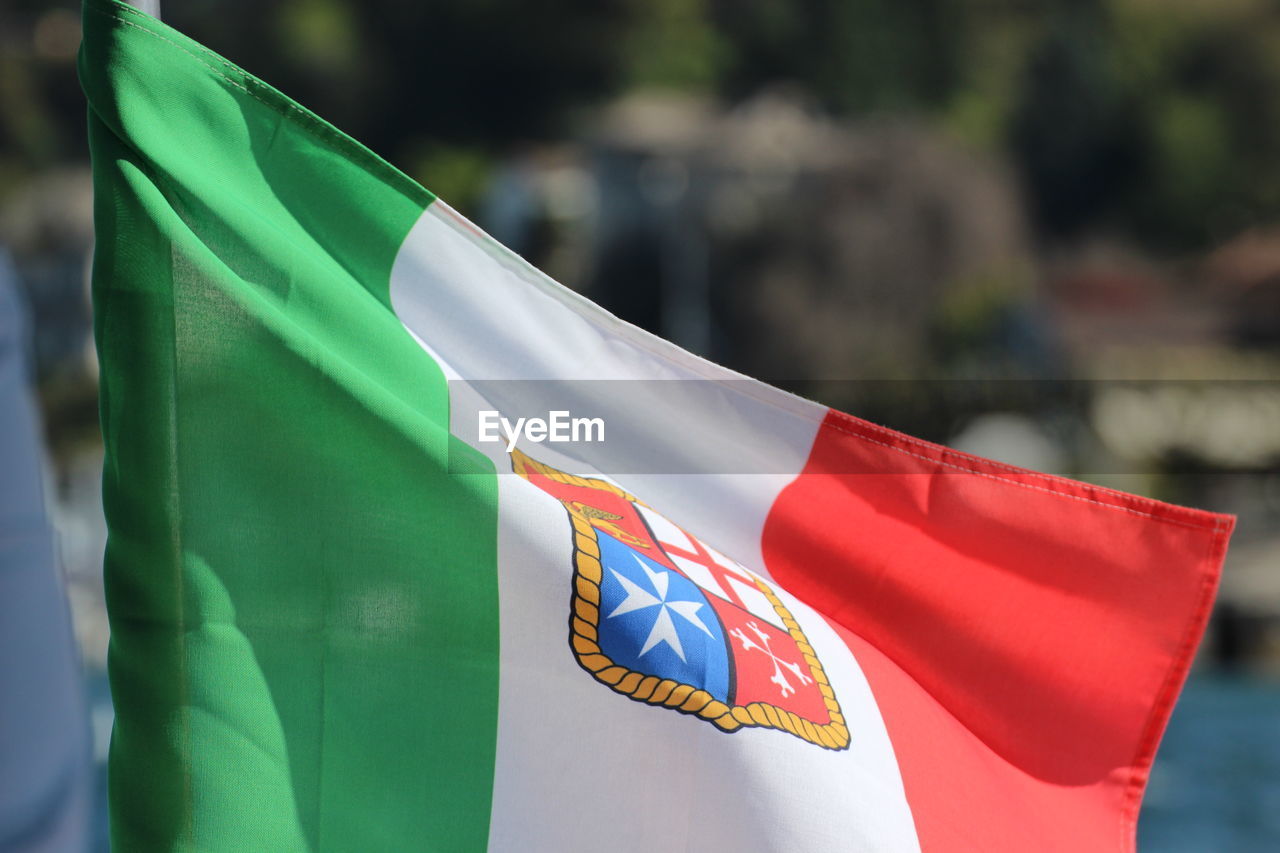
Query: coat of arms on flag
[664, 619]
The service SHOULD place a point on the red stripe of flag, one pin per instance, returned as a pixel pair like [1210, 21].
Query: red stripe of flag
[1025, 636]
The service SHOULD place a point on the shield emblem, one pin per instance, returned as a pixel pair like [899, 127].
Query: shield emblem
[664, 619]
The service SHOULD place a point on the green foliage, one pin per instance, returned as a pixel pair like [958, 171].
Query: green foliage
[320, 34]
[1156, 120]
[1073, 133]
[853, 55]
[1210, 106]
[674, 45]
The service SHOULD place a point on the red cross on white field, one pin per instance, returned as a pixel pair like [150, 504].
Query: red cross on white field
[710, 569]
[719, 572]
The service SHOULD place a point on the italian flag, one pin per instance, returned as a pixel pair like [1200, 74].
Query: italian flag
[743, 621]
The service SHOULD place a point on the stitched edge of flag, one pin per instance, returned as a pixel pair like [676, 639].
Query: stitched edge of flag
[1167, 696]
[584, 620]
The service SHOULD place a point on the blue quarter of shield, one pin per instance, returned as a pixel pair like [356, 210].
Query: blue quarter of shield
[655, 620]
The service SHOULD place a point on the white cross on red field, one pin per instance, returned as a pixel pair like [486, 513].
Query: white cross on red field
[761, 644]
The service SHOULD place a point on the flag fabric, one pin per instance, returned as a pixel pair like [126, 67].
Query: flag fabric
[341, 621]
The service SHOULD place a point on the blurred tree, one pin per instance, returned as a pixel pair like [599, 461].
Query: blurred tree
[674, 45]
[855, 56]
[42, 119]
[1208, 93]
[420, 82]
[1159, 121]
[1075, 139]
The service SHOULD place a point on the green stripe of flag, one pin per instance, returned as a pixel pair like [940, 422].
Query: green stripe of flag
[303, 599]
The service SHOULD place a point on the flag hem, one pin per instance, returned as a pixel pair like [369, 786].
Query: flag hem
[1176, 677]
[964, 462]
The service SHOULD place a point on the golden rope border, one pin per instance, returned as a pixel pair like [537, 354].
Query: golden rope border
[584, 620]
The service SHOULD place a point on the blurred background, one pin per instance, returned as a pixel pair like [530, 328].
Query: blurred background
[1047, 232]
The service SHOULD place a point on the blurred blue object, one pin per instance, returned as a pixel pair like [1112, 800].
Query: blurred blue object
[1216, 781]
[45, 781]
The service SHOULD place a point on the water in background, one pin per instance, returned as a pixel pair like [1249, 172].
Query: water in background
[1216, 783]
